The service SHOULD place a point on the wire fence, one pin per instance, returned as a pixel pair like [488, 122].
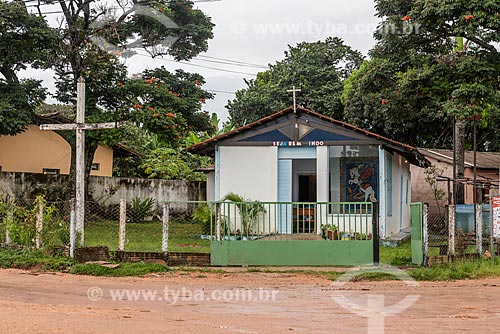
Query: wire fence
[137, 225]
[459, 232]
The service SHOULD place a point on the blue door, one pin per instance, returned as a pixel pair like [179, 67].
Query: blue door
[285, 195]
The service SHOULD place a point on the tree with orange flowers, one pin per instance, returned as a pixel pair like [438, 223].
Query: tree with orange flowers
[439, 64]
[433, 61]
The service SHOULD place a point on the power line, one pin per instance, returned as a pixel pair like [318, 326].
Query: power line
[201, 66]
[220, 91]
[89, 1]
[233, 61]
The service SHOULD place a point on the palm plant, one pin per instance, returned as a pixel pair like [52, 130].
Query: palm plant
[248, 209]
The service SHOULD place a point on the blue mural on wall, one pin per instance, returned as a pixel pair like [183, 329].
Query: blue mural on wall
[360, 180]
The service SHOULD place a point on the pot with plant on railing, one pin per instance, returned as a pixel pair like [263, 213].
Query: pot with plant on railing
[330, 232]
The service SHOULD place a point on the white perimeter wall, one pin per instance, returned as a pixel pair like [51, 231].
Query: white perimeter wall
[251, 172]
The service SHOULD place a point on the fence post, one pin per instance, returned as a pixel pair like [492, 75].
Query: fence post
[166, 221]
[217, 222]
[451, 229]
[123, 222]
[375, 230]
[425, 233]
[479, 228]
[10, 220]
[39, 224]
[72, 227]
[492, 244]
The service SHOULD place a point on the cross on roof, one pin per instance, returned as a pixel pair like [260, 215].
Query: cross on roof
[294, 91]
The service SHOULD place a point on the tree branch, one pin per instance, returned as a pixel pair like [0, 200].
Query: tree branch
[481, 43]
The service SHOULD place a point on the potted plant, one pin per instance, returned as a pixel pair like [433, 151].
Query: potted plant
[330, 231]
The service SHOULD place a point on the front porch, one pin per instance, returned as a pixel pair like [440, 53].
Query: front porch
[293, 233]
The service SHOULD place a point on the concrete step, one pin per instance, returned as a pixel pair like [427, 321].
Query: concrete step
[397, 239]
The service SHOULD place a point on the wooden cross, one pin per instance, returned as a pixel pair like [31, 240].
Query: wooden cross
[294, 91]
[80, 127]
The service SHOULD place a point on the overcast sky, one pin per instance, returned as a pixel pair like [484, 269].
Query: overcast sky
[259, 31]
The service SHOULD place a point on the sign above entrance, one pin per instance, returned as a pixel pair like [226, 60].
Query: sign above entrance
[298, 143]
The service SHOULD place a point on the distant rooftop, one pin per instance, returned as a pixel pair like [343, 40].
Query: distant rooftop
[485, 160]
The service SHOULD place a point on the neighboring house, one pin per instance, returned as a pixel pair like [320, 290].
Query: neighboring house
[37, 151]
[488, 164]
[310, 158]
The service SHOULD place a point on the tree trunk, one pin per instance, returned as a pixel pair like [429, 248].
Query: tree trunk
[460, 161]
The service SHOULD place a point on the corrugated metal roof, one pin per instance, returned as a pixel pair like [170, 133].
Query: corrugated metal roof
[485, 160]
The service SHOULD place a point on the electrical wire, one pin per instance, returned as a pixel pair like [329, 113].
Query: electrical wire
[220, 91]
[201, 66]
[233, 61]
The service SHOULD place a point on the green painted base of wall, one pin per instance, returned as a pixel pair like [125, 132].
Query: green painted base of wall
[291, 253]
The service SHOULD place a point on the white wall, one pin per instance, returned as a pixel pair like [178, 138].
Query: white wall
[251, 172]
[400, 167]
[211, 186]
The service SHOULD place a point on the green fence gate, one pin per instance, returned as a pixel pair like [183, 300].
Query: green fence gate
[417, 244]
[317, 234]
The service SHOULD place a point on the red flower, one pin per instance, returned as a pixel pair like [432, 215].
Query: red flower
[170, 114]
[197, 83]
[151, 108]
[120, 84]
[138, 106]
[406, 18]
[385, 102]
[202, 100]
[469, 17]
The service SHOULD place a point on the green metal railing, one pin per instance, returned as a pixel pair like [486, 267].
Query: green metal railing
[335, 221]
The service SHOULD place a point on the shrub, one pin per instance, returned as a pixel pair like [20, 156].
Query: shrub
[141, 209]
[203, 215]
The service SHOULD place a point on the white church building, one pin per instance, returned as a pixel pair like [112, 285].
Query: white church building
[300, 156]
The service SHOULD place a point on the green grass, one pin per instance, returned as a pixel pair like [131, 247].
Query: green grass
[24, 259]
[146, 237]
[396, 256]
[125, 269]
[457, 271]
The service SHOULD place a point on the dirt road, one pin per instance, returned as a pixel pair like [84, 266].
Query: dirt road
[234, 303]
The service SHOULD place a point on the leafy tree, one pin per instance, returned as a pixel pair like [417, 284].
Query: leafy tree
[421, 72]
[166, 104]
[429, 74]
[78, 56]
[217, 128]
[174, 164]
[25, 41]
[318, 69]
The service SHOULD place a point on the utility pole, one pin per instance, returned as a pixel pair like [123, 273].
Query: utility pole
[459, 145]
[80, 127]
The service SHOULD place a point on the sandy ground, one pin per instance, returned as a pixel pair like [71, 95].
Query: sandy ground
[60, 303]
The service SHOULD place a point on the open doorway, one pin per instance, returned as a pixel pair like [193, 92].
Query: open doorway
[307, 188]
[305, 192]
